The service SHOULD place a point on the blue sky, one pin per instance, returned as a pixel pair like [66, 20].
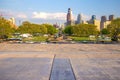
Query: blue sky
[55, 10]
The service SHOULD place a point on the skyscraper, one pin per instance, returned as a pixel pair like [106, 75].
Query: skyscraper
[91, 21]
[103, 19]
[69, 16]
[104, 22]
[93, 17]
[94, 21]
[79, 19]
[111, 17]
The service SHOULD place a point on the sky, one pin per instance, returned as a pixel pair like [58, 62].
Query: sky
[55, 11]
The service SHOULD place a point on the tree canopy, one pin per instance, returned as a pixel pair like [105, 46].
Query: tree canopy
[105, 31]
[82, 30]
[68, 30]
[31, 28]
[50, 29]
[6, 28]
[114, 29]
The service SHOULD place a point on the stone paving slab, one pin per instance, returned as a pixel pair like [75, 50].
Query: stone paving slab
[61, 48]
[62, 67]
[89, 55]
[72, 62]
[96, 69]
[28, 55]
[25, 67]
[62, 70]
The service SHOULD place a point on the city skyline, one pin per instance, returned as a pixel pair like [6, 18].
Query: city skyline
[46, 11]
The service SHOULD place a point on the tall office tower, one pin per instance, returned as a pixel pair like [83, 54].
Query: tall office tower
[111, 17]
[69, 17]
[94, 21]
[91, 21]
[103, 20]
[79, 19]
[93, 17]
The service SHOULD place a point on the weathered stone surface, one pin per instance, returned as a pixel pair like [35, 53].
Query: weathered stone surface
[34, 61]
[96, 69]
[62, 70]
[25, 68]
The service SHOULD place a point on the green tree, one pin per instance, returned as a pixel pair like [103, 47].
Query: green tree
[43, 29]
[28, 27]
[114, 29]
[68, 30]
[105, 31]
[5, 28]
[85, 30]
[31, 28]
[50, 29]
[24, 28]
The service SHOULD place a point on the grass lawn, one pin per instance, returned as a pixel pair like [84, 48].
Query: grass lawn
[36, 39]
[80, 38]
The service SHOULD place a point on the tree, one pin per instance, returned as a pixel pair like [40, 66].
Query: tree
[43, 29]
[50, 29]
[6, 29]
[114, 29]
[31, 28]
[105, 31]
[68, 30]
[85, 30]
[34, 29]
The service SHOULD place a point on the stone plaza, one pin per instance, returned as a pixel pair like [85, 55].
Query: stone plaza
[59, 61]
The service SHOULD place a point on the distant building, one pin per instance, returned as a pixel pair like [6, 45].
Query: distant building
[93, 17]
[111, 17]
[56, 25]
[85, 22]
[79, 19]
[97, 23]
[69, 17]
[103, 20]
[91, 21]
[12, 20]
[94, 21]
[105, 24]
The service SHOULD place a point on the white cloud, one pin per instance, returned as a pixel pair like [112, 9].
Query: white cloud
[85, 17]
[21, 15]
[4, 12]
[9, 13]
[53, 16]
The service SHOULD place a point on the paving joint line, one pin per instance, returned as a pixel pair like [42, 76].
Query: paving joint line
[52, 67]
[72, 69]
